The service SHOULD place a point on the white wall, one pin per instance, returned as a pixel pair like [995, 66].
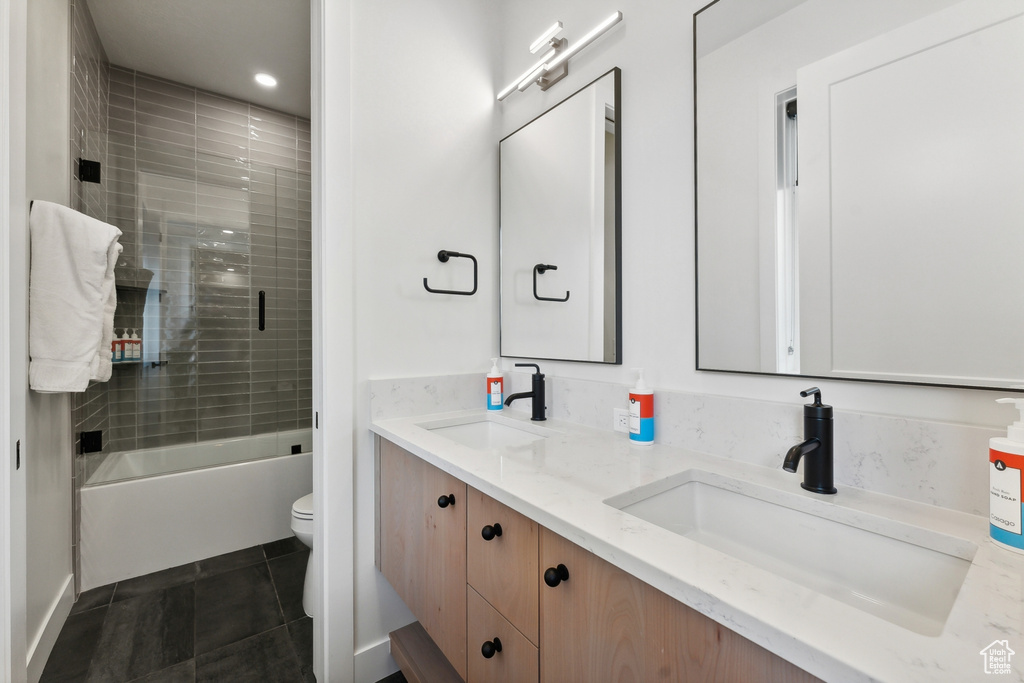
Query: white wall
[47, 453]
[425, 178]
[653, 46]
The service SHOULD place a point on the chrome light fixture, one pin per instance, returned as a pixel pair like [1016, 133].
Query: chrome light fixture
[554, 65]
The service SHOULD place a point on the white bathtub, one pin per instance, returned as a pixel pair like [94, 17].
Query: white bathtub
[161, 517]
[156, 461]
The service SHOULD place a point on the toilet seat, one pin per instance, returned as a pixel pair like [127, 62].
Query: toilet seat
[303, 507]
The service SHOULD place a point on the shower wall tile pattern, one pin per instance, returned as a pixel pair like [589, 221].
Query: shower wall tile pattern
[213, 196]
[90, 90]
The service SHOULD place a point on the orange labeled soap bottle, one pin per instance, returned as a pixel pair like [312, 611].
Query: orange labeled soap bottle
[1006, 465]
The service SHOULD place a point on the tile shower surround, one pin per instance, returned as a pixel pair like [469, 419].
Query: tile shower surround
[217, 164]
[90, 98]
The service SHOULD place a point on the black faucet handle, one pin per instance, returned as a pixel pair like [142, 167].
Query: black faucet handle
[816, 410]
[817, 395]
[529, 365]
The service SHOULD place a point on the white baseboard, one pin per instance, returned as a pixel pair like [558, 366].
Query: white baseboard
[39, 650]
[374, 662]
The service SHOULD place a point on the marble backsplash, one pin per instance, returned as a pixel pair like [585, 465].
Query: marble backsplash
[939, 463]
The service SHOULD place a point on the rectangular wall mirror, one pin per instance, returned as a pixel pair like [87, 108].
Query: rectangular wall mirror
[860, 166]
[560, 230]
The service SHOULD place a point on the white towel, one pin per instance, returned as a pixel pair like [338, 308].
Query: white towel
[71, 298]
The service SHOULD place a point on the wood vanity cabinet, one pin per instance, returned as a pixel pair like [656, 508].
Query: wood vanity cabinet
[501, 548]
[600, 624]
[604, 624]
[423, 546]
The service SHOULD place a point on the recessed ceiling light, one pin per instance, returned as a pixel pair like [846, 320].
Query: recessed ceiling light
[266, 80]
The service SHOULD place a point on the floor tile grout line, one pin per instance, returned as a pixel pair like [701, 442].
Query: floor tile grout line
[273, 582]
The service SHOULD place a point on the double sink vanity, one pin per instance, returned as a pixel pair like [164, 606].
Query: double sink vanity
[678, 563]
[554, 551]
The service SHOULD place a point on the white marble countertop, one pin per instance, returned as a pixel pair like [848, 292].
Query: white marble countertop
[562, 481]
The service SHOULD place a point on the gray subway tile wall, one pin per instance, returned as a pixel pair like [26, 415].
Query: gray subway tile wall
[213, 197]
[90, 102]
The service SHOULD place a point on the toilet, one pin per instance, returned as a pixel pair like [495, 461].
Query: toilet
[302, 527]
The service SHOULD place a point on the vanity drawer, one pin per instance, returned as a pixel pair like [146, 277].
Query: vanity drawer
[504, 569]
[517, 662]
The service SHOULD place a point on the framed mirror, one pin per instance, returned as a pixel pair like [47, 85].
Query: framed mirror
[560, 230]
[860, 189]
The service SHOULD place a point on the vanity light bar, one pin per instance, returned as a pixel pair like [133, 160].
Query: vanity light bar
[546, 37]
[533, 69]
[557, 56]
[594, 34]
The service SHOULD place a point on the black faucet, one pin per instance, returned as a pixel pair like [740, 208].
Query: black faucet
[537, 394]
[817, 446]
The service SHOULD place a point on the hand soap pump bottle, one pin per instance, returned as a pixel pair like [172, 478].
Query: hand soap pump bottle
[136, 346]
[123, 346]
[641, 412]
[1006, 463]
[495, 387]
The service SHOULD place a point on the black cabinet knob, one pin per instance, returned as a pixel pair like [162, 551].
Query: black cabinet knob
[489, 531]
[445, 501]
[490, 648]
[556, 575]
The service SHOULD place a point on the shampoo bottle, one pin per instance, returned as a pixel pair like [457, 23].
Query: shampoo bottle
[641, 412]
[124, 346]
[495, 387]
[136, 346]
[1006, 460]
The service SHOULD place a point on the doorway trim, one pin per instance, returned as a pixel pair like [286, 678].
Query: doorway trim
[14, 332]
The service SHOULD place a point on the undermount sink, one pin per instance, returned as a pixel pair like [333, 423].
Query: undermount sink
[910, 584]
[486, 433]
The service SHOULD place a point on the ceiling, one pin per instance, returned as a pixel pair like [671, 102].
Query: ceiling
[215, 45]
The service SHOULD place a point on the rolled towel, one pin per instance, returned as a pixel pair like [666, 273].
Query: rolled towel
[101, 364]
[71, 298]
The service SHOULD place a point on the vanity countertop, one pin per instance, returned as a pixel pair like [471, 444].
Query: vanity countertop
[562, 481]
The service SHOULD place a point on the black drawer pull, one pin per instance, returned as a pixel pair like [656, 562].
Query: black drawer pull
[445, 501]
[489, 531]
[490, 648]
[556, 575]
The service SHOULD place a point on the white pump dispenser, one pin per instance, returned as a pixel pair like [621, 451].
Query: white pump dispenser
[1006, 460]
[136, 345]
[495, 387]
[1015, 432]
[641, 412]
[124, 348]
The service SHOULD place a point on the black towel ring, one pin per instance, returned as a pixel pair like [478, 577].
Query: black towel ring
[443, 257]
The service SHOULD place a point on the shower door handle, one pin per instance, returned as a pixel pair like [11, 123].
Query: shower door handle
[263, 310]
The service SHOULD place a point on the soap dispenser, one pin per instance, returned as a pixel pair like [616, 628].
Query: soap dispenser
[1006, 460]
[641, 412]
[136, 346]
[495, 387]
[124, 346]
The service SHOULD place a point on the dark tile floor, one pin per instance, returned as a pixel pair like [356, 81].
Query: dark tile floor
[236, 617]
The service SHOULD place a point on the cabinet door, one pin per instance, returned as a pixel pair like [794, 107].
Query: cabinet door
[503, 569]
[684, 645]
[591, 625]
[423, 546]
[517, 660]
